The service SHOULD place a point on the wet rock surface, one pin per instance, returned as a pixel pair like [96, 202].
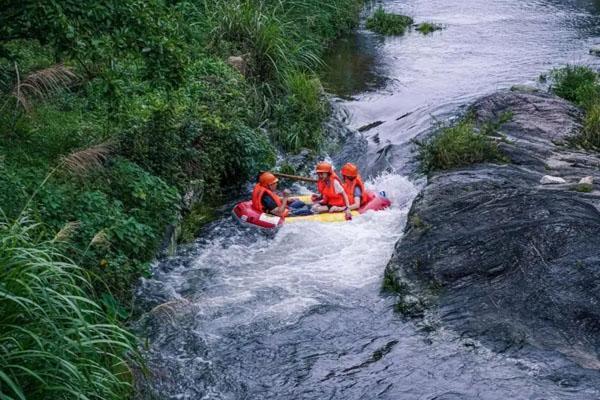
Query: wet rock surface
[492, 253]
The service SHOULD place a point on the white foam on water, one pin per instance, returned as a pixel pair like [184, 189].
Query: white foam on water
[305, 264]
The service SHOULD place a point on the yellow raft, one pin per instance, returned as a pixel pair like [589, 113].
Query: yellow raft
[246, 214]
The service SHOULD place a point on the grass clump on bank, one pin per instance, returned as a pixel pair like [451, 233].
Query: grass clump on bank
[461, 144]
[386, 23]
[576, 83]
[428, 27]
[55, 341]
[580, 85]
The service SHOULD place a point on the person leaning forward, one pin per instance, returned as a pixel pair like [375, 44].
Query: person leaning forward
[265, 200]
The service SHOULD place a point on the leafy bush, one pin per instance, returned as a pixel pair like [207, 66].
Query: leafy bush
[578, 84]
[300, 114]
[428, 27]
[458, 145]
[55, 342]
[387, 23]
[120, 214]
[205, 131]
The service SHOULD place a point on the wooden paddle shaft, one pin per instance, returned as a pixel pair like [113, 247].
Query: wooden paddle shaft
[295, 177]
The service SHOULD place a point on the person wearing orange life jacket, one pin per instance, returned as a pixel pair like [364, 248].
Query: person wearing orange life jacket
[265, 200]
[354, 186]
[332, 197]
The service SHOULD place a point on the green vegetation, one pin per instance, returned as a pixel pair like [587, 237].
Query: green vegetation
[575, 83]
[198, 216]
[386, 23]
[580, 85]
[109, 113]
[415, 221]
[584, 188]
[55, 341]
[590, 135]
[428, 27]
[410, 306]
[392, 285]
[461, 144]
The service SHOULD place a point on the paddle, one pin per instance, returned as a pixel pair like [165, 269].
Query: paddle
[294, 177]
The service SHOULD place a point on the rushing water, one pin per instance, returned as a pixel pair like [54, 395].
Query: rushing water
[240, 315]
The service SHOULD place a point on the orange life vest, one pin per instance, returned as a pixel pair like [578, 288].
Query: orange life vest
[257, 195]
[350, 185]
[327, 190]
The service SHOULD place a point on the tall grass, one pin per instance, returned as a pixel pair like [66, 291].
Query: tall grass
[580, 84]
[300, 113]
[575, 83]
[55, 341]
[459, 145]
[272, 43]
[387, 23]
[590, 135]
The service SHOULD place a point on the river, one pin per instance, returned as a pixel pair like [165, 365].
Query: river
[301, 315]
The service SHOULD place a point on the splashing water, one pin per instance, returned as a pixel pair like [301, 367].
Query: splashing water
[303, 265]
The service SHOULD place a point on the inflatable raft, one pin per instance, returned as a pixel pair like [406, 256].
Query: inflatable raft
[249, 216]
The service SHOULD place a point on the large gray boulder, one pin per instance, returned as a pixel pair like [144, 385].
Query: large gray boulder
[492, 253]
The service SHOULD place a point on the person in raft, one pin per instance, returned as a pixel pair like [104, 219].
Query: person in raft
[354, 186]
[265, 200]
[332, 196]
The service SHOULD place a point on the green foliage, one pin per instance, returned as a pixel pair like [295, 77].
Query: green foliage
[584, 188]
[200, 215]
[148, 31]
[387, 23]
[428, 27]
[392, 285]
[55, 342]
[300, 114]
[578, 84]
[590, 135]
[253, 28]
[278, 36]
[459, 145]
[287, 169]
[120, 213]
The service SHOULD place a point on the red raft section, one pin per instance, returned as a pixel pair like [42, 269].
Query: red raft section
[247, 215]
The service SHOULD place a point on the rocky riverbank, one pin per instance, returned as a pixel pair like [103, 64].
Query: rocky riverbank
[496, 255]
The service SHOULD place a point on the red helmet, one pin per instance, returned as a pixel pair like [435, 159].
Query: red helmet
[324, 167]
[350, 170]
[267, 178]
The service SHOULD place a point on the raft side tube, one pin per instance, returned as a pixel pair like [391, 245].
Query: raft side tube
[247, 215]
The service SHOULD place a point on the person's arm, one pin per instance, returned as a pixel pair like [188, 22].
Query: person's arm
[279, 211]
[340, 190]
[357, 196]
